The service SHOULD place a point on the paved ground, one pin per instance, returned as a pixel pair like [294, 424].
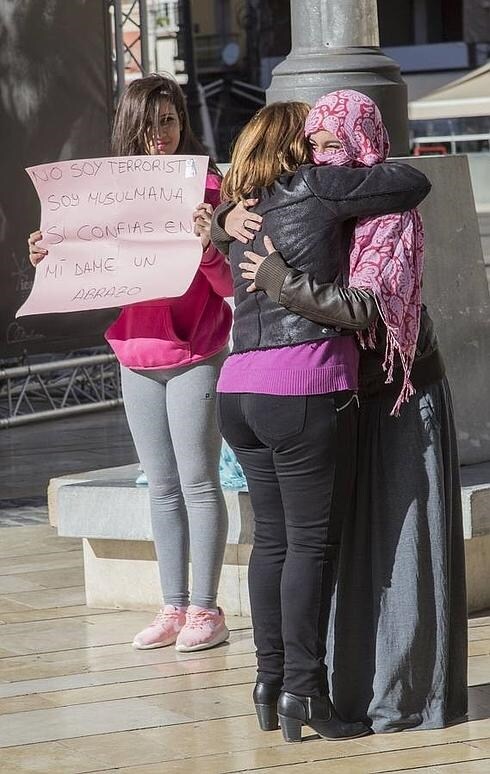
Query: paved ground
[23, 511]
[75, 697]
[32, 454]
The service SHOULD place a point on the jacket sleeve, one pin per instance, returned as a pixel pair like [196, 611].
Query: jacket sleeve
[220, 239]
[364, 192]
[327, 303]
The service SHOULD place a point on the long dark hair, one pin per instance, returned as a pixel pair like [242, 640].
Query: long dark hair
[137, 117]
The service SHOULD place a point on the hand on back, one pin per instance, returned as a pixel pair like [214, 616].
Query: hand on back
[242, 224]
[249, 270]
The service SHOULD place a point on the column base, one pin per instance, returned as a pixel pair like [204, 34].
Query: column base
[307, 76]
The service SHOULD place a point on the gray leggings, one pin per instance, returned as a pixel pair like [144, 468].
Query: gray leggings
[172, 417]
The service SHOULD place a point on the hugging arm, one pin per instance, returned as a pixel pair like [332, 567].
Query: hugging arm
[367, 191]
[354, 193]
[378, 190]
[324, 303]
[219, 237]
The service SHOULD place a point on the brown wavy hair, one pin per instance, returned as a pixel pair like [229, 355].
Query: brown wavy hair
[271, 143]
[137, 117]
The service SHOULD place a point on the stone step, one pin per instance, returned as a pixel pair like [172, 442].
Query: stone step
[111, 513]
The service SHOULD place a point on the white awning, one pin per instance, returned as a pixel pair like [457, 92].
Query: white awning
[466, 97]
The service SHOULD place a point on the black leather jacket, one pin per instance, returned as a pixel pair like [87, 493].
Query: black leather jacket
[304, 213]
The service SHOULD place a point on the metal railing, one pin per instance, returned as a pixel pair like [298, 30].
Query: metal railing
[129, 17]
[74, 385]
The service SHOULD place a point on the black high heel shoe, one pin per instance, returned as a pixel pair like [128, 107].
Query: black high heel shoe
[318, 713]
[265, 698]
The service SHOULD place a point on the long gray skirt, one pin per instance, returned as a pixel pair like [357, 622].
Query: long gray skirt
[397, 643]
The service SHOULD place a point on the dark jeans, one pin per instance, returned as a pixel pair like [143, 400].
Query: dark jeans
[298, 454]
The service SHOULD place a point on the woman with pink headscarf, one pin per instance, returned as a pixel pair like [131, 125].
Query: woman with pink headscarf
[397, 656]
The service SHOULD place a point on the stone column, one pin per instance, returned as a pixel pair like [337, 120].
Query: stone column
[335, 45]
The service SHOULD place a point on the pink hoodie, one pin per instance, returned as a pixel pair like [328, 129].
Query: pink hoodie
[172, 332]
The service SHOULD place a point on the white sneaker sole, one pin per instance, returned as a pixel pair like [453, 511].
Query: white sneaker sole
[217, 640]
[136, 646]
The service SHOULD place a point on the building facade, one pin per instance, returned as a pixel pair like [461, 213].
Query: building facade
[434, 41]
[237, 44]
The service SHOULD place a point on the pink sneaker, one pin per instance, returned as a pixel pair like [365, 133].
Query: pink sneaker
[164, 629]
[203, 629]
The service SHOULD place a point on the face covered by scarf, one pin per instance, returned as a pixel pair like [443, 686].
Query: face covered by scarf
[387, 253]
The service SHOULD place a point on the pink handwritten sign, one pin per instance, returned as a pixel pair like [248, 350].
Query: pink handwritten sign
[117, 230]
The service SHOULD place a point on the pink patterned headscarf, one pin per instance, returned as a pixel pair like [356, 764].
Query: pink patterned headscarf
[387, 253]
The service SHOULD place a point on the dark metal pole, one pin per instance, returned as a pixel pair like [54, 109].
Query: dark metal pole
[253, 19]
[192, 89]
[145, 57]
[335, 45]
[118, 33]
[137, 15]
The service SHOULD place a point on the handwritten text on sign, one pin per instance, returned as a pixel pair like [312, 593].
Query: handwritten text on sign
[117, 230]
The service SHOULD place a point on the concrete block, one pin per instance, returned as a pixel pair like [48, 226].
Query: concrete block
[477, 551]
[456, 293]
[475, 496]
[111, 513]
[75, 478]
[244, 595]
[109, 505]
[229, 590]
[123, 574]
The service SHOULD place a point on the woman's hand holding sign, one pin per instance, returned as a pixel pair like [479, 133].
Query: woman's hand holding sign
[36, 254]
[202, 223]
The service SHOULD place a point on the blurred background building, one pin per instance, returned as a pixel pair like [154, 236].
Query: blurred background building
[239, 42]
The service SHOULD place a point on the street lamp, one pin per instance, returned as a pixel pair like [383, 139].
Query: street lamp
[335, 45]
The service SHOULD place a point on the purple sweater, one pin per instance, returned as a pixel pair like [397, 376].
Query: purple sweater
[314, 368]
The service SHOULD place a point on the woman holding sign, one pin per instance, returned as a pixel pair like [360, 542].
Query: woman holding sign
[171, 351]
